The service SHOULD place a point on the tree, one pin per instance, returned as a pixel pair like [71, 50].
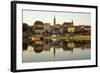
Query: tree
[25, 27]
[65, 32]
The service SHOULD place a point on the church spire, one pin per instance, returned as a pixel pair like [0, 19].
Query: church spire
[72, 21]
[54, 20]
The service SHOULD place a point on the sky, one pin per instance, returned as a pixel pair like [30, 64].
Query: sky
[30, 16]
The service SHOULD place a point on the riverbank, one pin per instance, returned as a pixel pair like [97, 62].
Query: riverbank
[74, 37]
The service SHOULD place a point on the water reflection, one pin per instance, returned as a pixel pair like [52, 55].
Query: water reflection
[78, 49]
[39, 46]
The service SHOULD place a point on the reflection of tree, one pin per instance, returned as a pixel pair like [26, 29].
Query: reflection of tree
[38, 46]
[67, 47]
[83, 44]
[46, 45]
[27, 33]
[38, 49]
[25, 46]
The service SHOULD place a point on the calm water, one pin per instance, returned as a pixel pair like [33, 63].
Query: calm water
[40, 51]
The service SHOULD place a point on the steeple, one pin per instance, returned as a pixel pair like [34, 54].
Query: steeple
[54, 20]
[72, 21]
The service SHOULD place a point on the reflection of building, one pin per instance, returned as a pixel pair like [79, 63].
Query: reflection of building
[71, 45]
[38, 46]
[67, 49]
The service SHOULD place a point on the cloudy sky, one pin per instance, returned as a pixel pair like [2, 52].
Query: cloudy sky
[30, 16]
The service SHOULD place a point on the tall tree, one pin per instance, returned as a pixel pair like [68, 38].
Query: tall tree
[25, 27]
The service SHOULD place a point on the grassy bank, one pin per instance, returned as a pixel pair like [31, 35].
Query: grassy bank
[76, 37]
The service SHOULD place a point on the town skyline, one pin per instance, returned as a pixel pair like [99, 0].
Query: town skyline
[30, 17]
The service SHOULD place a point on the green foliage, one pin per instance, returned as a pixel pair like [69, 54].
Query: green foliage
[65, 31]
[25, 27]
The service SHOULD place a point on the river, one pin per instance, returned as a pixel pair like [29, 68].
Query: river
[58, 50]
